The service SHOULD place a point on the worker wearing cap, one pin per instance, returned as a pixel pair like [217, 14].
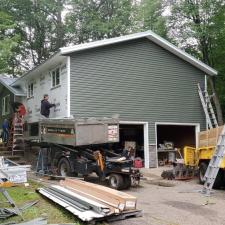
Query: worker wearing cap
[45, 106]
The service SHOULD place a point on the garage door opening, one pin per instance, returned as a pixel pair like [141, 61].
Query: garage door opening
[171, 138]
[131, 135]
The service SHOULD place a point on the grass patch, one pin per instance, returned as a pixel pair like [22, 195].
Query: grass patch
[44, 208]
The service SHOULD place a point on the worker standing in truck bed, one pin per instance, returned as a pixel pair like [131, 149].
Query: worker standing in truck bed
[45, 106]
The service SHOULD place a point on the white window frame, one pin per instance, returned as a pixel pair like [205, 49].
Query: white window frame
[54, 76]
[4, 111]
[30, 91]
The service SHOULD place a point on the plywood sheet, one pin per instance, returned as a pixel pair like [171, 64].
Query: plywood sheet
[209, 137]
[113, 197]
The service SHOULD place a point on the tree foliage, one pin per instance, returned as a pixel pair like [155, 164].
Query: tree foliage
[151, 17]
[32, 30]
[8, 42]
[197, 26]
[39, 24]
[97, 19]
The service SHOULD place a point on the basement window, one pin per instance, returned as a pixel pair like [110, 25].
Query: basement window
[30, 92]
[6, 105]
[55, 74]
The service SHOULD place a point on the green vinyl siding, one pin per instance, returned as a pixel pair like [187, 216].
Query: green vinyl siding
[138, 80]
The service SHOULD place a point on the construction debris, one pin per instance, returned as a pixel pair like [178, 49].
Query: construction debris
[92, 202]
[37, 221]
[8, 212]
[12, 171]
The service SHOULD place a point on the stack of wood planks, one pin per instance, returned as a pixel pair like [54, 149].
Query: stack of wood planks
[92, 202]
[210, 137]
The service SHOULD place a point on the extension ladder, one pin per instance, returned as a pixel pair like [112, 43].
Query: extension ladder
[16, 136]
[213, 167]
[208, 108]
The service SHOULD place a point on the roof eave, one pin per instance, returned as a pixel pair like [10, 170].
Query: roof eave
[182, 54]
[151, 36]
[101, 43]
[11, 89]
[37, 67]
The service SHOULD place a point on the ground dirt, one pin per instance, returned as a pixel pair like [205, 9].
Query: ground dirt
[175, 203]
[166, 202]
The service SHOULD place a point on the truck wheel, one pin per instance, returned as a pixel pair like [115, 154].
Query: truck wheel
[64, 168]
[116, 181]
[201, 173]
[127, 181]
[219, 178]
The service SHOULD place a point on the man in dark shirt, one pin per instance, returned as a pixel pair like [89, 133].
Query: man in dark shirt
[45, 106]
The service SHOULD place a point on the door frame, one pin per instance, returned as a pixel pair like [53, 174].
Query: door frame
[146, 138]
[196, 125]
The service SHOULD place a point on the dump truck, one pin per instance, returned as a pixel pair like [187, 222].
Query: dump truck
[199, 158]
[83, 146]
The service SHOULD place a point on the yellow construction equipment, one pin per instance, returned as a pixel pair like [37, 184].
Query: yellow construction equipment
[198, 158]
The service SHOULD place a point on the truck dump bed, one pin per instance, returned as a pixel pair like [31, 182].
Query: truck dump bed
[79, 132]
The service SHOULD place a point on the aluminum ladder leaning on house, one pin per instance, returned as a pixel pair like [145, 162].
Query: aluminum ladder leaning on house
[208, 108]
[16, 135]
[213, 167]
[214, 164]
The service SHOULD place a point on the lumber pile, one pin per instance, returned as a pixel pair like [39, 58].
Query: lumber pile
[210, 137]
[92, 202]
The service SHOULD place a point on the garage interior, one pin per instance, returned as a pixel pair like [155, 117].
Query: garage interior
[131, 136]
[170, 139]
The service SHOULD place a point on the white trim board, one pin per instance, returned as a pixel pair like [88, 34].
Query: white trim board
[196, 125]
[68, 86]
[146, 138]
[152, 37]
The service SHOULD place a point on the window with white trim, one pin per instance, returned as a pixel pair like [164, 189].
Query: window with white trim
[6, 105]
[30, 90]
[55, 74]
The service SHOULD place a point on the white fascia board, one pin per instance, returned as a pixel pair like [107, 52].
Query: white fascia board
[10, 88]
[95, 44]
[182, 54]
[151, 36]
[38, 69]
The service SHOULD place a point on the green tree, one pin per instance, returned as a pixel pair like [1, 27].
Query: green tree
[40, 26]
[150, 15]
[195, 25]
[8, 42]
[90, 20]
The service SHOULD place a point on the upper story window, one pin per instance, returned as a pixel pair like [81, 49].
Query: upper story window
[6, 105]
[55, 75]
[30, 92]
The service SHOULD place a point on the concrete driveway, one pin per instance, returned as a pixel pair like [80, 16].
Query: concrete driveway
[177, 205]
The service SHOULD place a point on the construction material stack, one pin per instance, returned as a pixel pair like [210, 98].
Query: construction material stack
[214, 164]
[92, 202]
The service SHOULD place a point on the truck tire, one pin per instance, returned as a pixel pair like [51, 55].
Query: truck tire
[127, 181]
[202, 170]
[64, 168]
[116, 181]
[219, 180]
